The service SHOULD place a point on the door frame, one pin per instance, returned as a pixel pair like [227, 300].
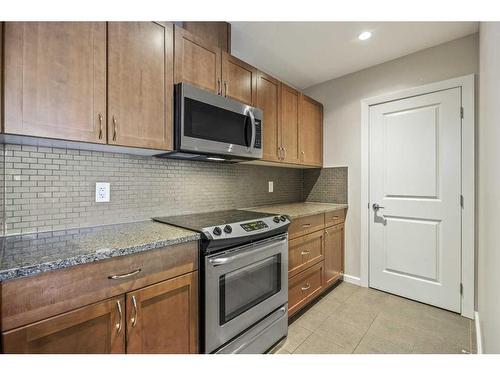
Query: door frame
[466, 83]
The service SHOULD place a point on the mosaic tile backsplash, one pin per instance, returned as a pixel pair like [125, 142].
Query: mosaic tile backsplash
[51, 188]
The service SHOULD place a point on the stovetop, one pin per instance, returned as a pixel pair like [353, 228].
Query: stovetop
[201, 221]
[224, 229]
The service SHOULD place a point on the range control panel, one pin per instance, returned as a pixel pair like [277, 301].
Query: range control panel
[254, 225]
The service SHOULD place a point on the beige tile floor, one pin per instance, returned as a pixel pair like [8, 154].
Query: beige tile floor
[352, 319]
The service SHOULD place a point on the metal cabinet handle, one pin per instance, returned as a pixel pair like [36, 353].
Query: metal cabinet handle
[219, 89]
[100, 117]
[125, 275]
[376, 206]
[306, 225]
[305, 252]
[284, 153]
[134, 318]
[120, 314]
[114, 127]
[225, 88]
[306, 287]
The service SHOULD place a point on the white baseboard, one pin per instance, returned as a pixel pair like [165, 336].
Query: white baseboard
[352, 280]
[479, 340]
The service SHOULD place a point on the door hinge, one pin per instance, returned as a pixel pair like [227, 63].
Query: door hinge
[461, 112]
[461, 201]
[461, 289]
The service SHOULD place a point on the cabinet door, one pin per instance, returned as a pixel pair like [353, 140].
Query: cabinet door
[268, 100]
[163, 318]
[213, 33]
[140, 87]
[93, 329]
[55, 80]
[311, 131]
[196, 62]
[239, 79]
[290, 124]
[334, 253]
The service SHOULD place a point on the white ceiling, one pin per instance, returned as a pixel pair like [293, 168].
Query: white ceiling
[306, 53]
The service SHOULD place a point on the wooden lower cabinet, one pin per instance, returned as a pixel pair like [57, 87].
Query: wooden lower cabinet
[95, 329]
[334, 254]
[163, 318]
[315, 257]
[305, 251]
[305, 287]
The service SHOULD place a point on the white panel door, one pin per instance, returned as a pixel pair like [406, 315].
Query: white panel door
[415, 178]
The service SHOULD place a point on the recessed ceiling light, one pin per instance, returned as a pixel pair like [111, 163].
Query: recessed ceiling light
[365, 35]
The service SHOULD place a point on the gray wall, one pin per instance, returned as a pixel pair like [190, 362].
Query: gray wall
[48, 189]
[488, 190]
[342, 113]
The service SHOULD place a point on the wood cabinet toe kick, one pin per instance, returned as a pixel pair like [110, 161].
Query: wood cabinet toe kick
[315, 256]
[90, 297]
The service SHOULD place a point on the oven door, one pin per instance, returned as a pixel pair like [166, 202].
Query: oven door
[212, 124]
[243, 286]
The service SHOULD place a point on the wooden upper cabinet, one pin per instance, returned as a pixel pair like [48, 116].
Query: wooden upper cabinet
[268, 100]
[310, 131]
[334, 253]
[55, 80]
[140, 86]
[239, 79]
[196, 62]
[163, 318]
[290, 124]
[216, 34]
[93, 329]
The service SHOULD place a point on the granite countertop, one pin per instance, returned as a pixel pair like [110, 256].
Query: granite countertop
[30, 254]
[300, 209]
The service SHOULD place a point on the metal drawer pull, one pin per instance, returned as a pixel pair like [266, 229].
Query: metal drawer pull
[307, 286]
[305, 252]
[306, 225]
[120, 314]
[225, 88]
[134, 318]
[335, 217]
[125, 275]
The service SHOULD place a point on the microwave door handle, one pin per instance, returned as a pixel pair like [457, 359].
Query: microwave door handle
[249, 113]
[252, 118]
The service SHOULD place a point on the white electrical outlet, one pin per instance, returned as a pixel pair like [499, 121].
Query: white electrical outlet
[271, 186]
[102, 191]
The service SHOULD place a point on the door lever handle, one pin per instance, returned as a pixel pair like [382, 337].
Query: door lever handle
[376, 206]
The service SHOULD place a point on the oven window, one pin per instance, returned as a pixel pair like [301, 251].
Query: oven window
[246, 287]
[205, 121]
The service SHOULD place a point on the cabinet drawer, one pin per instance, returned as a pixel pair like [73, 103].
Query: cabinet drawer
[334, 217]
[305, 225]
[305, 287]
[30, 299]
[305, 251]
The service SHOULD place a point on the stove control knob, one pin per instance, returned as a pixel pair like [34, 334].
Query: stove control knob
[283, 218]
[217, 231]
[276, 219]
[228, 229]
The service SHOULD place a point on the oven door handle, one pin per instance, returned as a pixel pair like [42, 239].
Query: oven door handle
[221, 261]
[241, 254]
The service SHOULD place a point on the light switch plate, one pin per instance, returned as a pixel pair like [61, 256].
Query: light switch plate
[271, 186]
[102, 191]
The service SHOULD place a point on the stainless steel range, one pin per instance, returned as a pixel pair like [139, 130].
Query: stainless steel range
[244, 265]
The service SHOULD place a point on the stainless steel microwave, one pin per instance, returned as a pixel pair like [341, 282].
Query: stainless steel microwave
[208, 126]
